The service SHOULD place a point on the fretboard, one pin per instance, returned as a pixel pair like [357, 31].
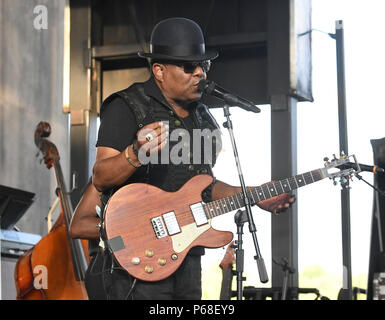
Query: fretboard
[260, 193]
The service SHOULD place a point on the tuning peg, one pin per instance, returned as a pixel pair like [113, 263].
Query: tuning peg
[343, 180]
[327, 162]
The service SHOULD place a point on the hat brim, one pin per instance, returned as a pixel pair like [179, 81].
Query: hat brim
[210, 55]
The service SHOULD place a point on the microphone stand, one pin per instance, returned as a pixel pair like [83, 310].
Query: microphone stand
[287, 270]
[240, 218]
[260, 262]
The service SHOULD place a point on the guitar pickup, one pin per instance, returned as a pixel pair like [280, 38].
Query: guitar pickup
[171, 223]
[199, 214]
[159, 227]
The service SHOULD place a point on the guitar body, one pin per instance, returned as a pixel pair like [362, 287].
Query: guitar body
[150, 231]
[131, 232]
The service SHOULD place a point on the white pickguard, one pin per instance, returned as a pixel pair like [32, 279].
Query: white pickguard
[188, 234]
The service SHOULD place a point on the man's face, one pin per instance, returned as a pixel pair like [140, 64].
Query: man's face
[180, 80]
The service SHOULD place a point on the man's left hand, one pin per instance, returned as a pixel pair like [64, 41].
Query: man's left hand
[277, 204]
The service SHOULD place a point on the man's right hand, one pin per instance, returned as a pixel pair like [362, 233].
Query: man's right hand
[111, 166]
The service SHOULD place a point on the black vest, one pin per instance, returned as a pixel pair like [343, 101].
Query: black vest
[147, 109]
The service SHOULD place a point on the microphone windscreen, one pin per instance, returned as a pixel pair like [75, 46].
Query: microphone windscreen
[202, 85]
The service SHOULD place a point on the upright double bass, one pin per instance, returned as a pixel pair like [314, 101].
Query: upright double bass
[55, 267]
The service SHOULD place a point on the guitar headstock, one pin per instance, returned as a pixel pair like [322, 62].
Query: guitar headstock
[343, 168]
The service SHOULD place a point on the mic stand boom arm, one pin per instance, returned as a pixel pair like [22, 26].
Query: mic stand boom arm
[260, 262]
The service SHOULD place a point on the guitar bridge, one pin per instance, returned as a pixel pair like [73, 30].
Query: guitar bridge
[159, 227]
[164, 223]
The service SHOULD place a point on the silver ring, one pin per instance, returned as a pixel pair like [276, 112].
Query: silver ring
[149, 137]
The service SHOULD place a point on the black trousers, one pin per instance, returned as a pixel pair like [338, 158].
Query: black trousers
[184, 284]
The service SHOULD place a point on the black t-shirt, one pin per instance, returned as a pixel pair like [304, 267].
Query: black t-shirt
[117, 127]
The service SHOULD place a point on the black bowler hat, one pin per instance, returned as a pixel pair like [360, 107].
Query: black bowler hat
[178, 39]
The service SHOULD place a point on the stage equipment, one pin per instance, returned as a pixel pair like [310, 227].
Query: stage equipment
[241, 216]
[346, 291]
[227, 272]
[286, 270]
[211, 88]
[363, 167]
[248, 217]
[13, 204]
[376, 273]
[252, 293]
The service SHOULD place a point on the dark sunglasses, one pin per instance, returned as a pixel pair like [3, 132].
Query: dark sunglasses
[189, 67]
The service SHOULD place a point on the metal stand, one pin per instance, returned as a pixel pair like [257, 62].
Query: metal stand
[382, 193]
[239, 258]
[346, 292]
[287, 270]
[240, 218]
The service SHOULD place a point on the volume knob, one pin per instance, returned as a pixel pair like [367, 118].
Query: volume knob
[162, 261]
[149, 269]
[149, 253]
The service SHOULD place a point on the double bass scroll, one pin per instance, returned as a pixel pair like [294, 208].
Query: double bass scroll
[61, 259]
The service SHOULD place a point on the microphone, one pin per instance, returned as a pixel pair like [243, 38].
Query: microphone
[211, 88]
[364, 167]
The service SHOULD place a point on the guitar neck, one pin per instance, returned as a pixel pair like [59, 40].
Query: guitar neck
[78, 258]
[260, 193]
[62, 190]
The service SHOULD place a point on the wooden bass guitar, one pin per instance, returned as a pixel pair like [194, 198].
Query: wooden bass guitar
[150, 231]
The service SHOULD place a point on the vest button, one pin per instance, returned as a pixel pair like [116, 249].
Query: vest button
[202, 171]
[177, 123]
[171, 113]
[190, 167]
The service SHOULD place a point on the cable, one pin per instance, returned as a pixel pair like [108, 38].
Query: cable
[331, 35]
